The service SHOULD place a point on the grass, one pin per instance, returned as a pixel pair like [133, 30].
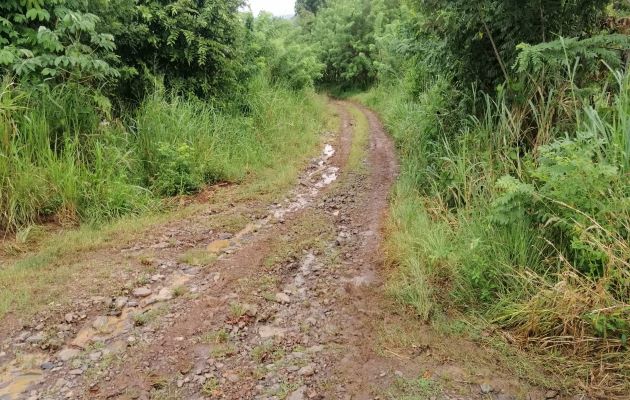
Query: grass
[198, 257]
[95, 172]
[166, 391]
[413, 389]
[237, 310]
[147, 317]
[266, 352]
[35, 268]
[462, 240]
[210, 387]
[217, 337]
[360, 141]
[223, 350]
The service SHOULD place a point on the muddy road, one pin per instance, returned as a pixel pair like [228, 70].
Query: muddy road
[291, 306]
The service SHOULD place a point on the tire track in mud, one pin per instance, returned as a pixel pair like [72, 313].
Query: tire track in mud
[290, 309]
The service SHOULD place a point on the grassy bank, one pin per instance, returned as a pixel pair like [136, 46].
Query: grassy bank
[533, 243]
[171, 146]
[65, 160]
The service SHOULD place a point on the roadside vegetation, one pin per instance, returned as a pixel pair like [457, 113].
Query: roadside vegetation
[511, 119]
[512, 124]
[106, 107]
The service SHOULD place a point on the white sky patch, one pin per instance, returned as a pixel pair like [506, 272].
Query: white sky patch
[276, 7]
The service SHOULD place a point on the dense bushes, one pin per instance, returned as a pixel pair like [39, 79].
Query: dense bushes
[346, 31]
[107, 105]
[535, 242]
[53, 40]
[196, 45]
[63, 161]
[477, 41]
[279, 48]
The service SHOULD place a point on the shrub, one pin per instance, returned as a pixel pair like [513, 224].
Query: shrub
[175, 170]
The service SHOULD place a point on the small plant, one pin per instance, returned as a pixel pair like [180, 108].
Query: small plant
[176, 170]
[179, 291]
[223, 350]
[198, 257]
[210, 387]
[412, 389]
[218, 337]
[267, 352]
[147, 317]
[237, 310]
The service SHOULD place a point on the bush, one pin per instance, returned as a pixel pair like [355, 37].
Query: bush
[176, 171]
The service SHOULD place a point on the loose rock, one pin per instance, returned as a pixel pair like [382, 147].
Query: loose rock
[282, 298]
[67, 354]
[142, 292]
[299, 394]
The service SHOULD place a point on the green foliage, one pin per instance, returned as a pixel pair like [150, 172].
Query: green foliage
[308, 6]
[176, 171]
[195, 45]
[583, 61]
[279, 50]
[53, 39]
[571, 190]
[346, 32]
[479, 38]
[61, 161]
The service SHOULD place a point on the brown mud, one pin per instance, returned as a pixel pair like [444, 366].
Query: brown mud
[291, 306]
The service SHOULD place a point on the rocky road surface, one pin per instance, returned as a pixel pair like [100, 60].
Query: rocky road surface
[290, 307]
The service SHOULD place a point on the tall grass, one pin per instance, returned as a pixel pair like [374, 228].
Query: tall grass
[65, 159]
[520, 215]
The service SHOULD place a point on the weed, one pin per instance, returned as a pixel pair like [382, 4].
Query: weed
[413, 389]
[179, 291]
[267, 351]
[223, 350]
[198, 258]
[164, 390]
[237, 310]
[147, 317]
[360, 141]
[210, 387]
[217, 337]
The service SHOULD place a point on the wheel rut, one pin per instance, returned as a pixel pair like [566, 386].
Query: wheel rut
[270, 318]
[292, 306]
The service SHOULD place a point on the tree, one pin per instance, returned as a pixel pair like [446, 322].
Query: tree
[282, 53]
[347, 32]
[479, 38]
[195, 45]
[311, 6]
[54, 40]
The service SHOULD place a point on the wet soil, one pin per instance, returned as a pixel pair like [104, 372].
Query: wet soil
[292, 306]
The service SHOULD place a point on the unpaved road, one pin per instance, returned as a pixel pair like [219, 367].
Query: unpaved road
[292, 306]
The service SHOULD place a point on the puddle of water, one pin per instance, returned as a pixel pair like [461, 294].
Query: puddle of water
[328, 152]
[17, 378]
[328, 177]
[366, 279]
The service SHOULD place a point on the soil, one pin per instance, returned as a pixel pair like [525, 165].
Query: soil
[293, 305]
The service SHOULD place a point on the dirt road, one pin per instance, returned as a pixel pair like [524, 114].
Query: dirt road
[292, 305]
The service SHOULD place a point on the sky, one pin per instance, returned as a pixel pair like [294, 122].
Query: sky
[276, 7]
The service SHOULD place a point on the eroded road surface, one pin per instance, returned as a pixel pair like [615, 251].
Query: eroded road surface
[290, 307]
